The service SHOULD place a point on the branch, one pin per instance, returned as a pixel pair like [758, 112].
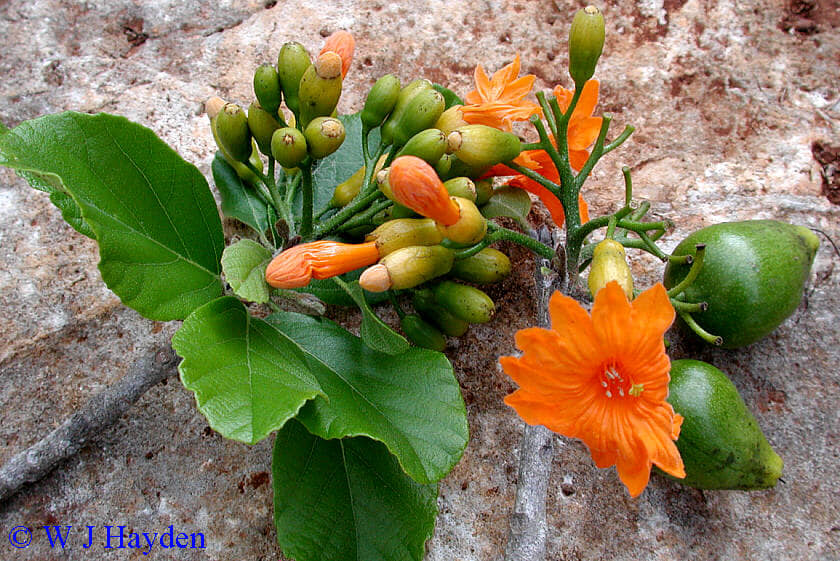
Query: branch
[528, 527]
[102, 410]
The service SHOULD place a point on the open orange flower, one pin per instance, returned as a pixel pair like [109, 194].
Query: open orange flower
[343, 44]
[322, 259]
[603, 379]
[500, 100]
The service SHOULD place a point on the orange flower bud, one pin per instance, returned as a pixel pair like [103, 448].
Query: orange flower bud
[415, 184]
[296, 266]
[343, 44]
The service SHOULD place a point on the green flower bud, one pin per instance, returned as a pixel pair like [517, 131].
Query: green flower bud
[404, 232]
[443, 165]
[421, 333]
[405, 96]
[380, 101]
[483, 146]
[465, 302]
[610, 264]
[397, 211]
[288, 146]
[407, 268]
[420, 114]
[461, 187]
[586, 41]
[483, 191]
[320, 88]
[470, 227]
[428, 145]
[450, 166]
[324, 136]
[426, 305]
[233, 131]
[241, 169]
[347, 190]
[262, 125]
[292, 62]
[487, 266]
[267, 88]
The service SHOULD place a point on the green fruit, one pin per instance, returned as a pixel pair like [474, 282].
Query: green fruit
[753, 276]
[720, 442]
[463, 187]
[380, 101]
[422, 333]
[262, 125]
[267, 88]
[426, 305]
[324, 135]
[480, 146]
[465, 302]
[428, 145]
[234, 134]
[389, 127]
[292, 62]
[586, 41]
[288, 146]
[487, 266]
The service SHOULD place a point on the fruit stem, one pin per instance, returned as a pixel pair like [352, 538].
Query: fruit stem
[702, 333]
[692, 273]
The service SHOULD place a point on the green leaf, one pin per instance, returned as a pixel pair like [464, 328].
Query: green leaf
[329, 291]
[508, 201]
[244, 266]
[239, 199]
[347, 500]
[375, 333]
[248, 378]
[3, 128]
[450, 98]
[159, 233]
[411, 402]
[344, 162]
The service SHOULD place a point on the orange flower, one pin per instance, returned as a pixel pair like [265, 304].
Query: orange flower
[500, 100]
[583, 127]
[343, 44]
[603, 379]
[415, 184]
[296, 266]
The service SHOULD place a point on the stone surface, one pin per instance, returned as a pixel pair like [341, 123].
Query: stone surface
[728, 101]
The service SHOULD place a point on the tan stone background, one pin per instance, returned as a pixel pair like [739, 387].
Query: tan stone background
[731, 102]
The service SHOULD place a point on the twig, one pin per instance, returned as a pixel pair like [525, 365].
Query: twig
[528, 527]
[101, 411]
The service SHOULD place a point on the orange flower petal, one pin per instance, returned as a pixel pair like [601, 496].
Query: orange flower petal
[343, 44]
[500, 100]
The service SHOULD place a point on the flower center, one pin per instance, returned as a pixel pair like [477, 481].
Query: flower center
[616, 384]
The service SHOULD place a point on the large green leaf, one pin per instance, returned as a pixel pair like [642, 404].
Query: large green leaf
[508, 201]
[343, 163]
[244, 266]
[375, 333]
[347, 500]
[159, 233]
[411, 402]
[239, 200]
[248, 378]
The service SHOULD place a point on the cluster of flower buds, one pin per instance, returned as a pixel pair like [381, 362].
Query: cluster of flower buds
[310, 91]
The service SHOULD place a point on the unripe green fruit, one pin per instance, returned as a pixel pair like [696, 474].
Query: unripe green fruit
[324, 135]
[267, 88]
[465, 302]
[422, 333]
[406, 95]
[586, 41]
[241, 169]
[320, 88]
[288, 146]
[482, 146]
[428, 145]
[426, 305]
[262, 125]
[292, 62]
[234, 134]
[487, 266]
[380, 101]
[753, 276]
[720, 442]
[461, 187]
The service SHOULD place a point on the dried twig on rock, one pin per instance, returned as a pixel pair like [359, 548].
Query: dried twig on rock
[101, 411]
